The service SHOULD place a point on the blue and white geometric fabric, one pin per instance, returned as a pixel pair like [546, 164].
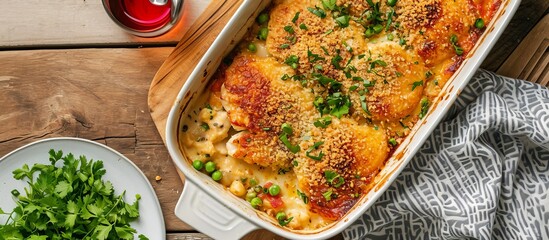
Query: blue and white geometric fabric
[482, 174]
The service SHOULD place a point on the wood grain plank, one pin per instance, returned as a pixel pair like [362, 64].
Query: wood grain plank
[528, 14]
[530, 61]
[97, 94]
[37, 23]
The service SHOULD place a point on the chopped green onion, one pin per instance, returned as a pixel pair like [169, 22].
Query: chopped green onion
[252, 47]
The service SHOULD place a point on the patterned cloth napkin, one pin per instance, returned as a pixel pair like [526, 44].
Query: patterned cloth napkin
[482, 174]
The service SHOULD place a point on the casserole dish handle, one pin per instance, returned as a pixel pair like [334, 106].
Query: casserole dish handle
[208, 216]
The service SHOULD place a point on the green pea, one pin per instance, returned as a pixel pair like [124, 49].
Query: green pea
[217, 175]
[378, 28]
[281, 216]
[391, 3]
[479, 23]
[263, 33]
[263, 18]
[210, 167]
[198, 165]
[256, 202]
[369, 32]
[252, 47]
[250, 195]
[274, 190]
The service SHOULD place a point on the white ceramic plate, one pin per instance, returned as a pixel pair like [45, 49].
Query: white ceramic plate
[121, 172]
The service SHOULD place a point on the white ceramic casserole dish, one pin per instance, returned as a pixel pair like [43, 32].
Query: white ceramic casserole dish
[213, 210]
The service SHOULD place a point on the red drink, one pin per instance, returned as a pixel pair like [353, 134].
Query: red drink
[143, 18]
[140, 15]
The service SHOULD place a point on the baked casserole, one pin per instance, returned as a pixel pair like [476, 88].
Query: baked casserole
[304, 113]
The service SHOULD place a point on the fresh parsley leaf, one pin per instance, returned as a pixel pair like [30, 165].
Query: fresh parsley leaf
[417, 84]
[314, 147]
[424, 107]
[303, 196]
[343, 21]
[334, 178]
[296, 16]
[72, 198]
[317, 11]
[323, 122]
[329, 4]
[328, 195]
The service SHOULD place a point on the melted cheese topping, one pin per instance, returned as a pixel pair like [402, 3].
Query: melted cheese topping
[320, 106]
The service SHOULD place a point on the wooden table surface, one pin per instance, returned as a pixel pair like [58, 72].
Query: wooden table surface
[67, 70]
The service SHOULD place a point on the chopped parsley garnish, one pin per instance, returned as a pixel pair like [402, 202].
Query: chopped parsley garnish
[457, 48]
[389, 19]
[289, 29]
[288, 131]
[329, 4]
[343, 21]
[284, 222]
[417, 84]
[292, 61]
[327, 82]
[325, 50]
[328, 195]
[428, 74]
[303, 196]
[363, 105]
[323, 122]
[314, 57]
[424, 107]
[333, 178]
[284, 46]
[377, 63]
[314, 147]
[317, 11]
[296, 16]
[286, 128]
[336, 104]
[393, 141]
[335, 61]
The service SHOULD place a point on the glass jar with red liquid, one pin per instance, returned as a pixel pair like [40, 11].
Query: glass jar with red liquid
[144, 18]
